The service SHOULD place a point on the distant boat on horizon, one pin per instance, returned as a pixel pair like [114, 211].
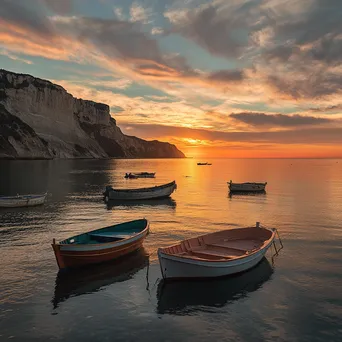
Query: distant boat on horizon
[206, 163]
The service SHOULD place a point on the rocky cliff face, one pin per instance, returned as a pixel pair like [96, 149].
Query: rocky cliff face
[39, 119]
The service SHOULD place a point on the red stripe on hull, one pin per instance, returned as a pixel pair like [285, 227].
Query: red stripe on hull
[80, 258]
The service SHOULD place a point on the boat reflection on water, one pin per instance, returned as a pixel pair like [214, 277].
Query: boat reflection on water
[185, 296]
[246, 193]
[168, 202]
[76, 282]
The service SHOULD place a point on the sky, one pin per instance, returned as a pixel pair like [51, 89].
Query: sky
[236, 79]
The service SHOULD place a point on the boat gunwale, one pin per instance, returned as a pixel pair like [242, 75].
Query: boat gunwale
[247, 183]
[141, 173]
[162, 253]
[30, 196]
[148, 189]
[112, 243]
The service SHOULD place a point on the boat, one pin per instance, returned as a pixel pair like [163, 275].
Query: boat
[22, 200]
[203, 164]
[101, 245]
[247, 187]
[86, 280]
[134, 175]
[190, 296]
[159, 191]
[216, 254]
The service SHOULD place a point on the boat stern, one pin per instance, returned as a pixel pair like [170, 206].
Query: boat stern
[57, 251]
[161, 263]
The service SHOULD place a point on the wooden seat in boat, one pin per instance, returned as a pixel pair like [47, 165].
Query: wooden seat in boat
[242, 245]
[223, 245]
[211, 253]
[116, 235]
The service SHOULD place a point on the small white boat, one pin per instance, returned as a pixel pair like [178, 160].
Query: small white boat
[216, 254]
[247, 187]
[22, 200]
[160, 191]
[135, 175]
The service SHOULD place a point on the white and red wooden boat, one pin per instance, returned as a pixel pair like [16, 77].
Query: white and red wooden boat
[101, 245]
[216, 254]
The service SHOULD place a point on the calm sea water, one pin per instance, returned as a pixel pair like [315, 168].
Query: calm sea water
[295, 296]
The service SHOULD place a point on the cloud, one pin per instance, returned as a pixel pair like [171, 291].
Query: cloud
[139, 13]
[118, 12]
[59, 6]
[133, 107]
[279, 58]
[157, 31]
[331, 135]
[121, 83]
[126, 43]
[20, 14]
[14, 57]
[220, 27]
[280, 120]
[226, 76]
[293, 47]
[337, 107]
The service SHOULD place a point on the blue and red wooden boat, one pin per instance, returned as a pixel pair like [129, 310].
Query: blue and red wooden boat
[101, 245]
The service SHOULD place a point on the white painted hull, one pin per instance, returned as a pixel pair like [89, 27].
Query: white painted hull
[177, 267]
[22, 201]
[247, 187]
[141, 194]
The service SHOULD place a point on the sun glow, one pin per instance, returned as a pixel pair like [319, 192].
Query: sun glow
[195, 142]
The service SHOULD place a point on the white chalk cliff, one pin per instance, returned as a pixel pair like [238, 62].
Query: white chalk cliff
[39, 119]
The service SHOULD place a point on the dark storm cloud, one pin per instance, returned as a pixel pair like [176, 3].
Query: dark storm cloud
[280, 120]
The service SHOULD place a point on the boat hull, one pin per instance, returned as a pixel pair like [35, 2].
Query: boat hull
[141, 194]
[70, 256]
[247, 187]
[140, 175]
[173, 267]
[22, 201]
